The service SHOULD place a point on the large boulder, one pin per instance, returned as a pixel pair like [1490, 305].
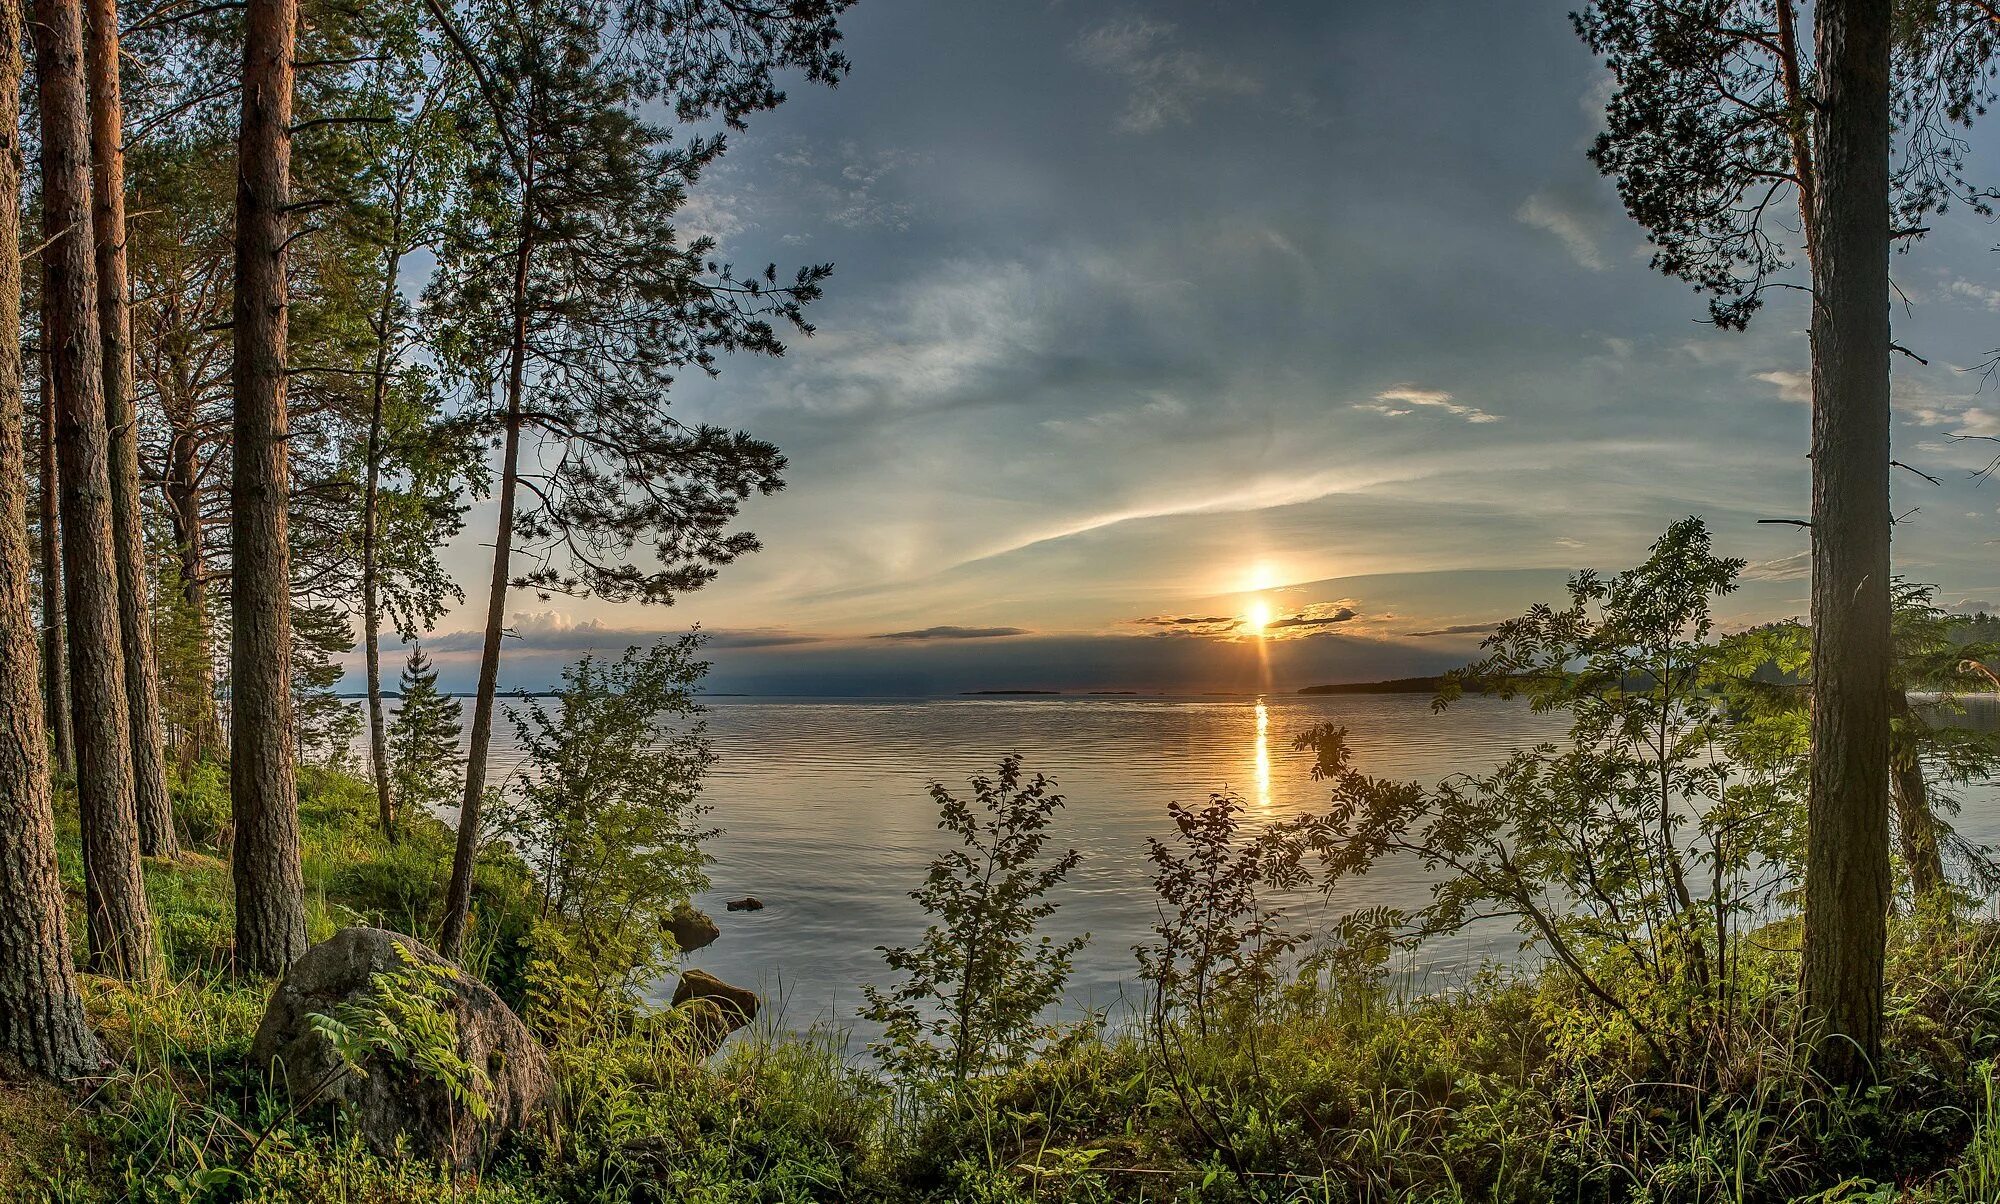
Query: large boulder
[388, 1100]
[691, 928]
[714, 1009]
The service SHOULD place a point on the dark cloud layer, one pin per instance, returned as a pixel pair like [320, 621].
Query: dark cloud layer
[953, 633]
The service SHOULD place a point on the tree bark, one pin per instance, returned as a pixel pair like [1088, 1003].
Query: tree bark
[42, 1027]
[1916, 823]
[119, 921]
[458, 896]
[184, 501]
[1847, 884]
[114, 319]
[55, 658]
[270, 888]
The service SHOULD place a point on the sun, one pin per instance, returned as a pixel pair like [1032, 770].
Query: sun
[1257, 617]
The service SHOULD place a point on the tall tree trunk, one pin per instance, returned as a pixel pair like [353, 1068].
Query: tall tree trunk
[119, 921]
[1847, 884]
[114, 319]
[1916, 824]
[458, 897]
[270, 888]
[184, 501]
[42, 1028]
[55, 657]
[371, 517]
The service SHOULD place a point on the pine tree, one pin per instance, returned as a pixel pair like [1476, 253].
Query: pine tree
[270, 887]
[119, 921]
[423, 741]
[568, 341]
[42, 1027]
[1720, 121]
[114, 318]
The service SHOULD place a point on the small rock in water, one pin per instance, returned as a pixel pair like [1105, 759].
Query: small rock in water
[746, 903]
[691, 928]
[714, 1008]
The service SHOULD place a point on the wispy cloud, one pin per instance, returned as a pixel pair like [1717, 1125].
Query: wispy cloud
[1165, 81]
[1796, 567]
[1988, 297]
[1544, 212]
[1398, 400]
[556, 631]
[1792, 385]
[1454, 629]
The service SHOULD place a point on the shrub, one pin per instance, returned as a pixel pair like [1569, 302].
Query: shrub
[974, 988]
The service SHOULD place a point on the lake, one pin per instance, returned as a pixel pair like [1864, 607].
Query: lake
[826, 818]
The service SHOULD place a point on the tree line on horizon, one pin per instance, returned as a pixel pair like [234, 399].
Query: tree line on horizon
[229, 422]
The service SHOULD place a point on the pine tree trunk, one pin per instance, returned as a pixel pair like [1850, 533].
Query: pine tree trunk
[184, 500]
[118, 919]
[270, 889]
[42, 1028]
[55, 657]
[1916, 825]
[1847, 884]
[114, 318]
[458, 896]
[371, 520]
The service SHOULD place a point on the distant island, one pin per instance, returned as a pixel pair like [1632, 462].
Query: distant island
[1395, 685]
[983, 692]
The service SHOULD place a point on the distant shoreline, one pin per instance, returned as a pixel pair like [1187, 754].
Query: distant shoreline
[1395, 685]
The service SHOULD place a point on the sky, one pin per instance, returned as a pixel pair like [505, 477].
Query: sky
[1147, 314]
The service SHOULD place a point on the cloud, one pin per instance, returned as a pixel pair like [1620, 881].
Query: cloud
[953, 633]
[1791, 385]
[555, 631]
[1972, 420]
[1544, 212]
[1318, 615]
[1454, 629]
[1166, 82]
[1973, 606]
[1191, 624]
[1796, 567]
[1989, 297]
[957, 332]
[1394, 402]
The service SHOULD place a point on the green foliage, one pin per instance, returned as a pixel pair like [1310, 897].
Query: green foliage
[608, 803]
[403, 1021]
[423, 740]
[326, 723]
[1635, 856]
[974, 989]
[1218, 941]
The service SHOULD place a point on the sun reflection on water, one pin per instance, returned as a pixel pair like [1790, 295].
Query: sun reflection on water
[1263, 757]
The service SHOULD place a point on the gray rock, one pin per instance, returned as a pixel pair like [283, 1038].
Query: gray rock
[391, 1101]
[714, 1009]
[691, 928]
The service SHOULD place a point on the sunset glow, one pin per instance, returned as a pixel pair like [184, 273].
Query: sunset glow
[1257, 617]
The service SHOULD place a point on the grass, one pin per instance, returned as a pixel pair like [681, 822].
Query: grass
[1506, 1090]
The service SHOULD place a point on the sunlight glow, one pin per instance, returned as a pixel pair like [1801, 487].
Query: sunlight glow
[1263, 757]
[1257, 617]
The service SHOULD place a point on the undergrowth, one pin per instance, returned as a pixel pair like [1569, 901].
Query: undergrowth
[1335, 1088]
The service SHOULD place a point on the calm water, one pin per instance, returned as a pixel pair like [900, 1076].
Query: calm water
[825, 817]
